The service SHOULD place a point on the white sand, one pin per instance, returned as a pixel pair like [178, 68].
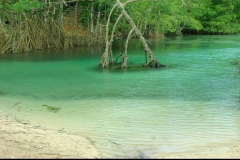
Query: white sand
[19, 139]
[226, 151]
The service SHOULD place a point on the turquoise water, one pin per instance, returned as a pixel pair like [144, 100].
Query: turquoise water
[193, 102]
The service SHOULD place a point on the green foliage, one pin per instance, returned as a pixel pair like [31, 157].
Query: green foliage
[154, 16]
[218, 16]
[163, 16]
[4, 5]
[21, 5]
[173, 16]
[26, 5]
[102, 6]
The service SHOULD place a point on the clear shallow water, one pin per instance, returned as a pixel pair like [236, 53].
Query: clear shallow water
[193, 102]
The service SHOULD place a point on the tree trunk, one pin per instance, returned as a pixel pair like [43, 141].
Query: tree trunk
[124, 54]
[61, 11]
[105, 59]
[91, 20]
[153, 60]
[98, 19]
[75, 14]
[45, 12]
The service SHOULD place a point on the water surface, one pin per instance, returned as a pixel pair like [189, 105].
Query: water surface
[193, 102]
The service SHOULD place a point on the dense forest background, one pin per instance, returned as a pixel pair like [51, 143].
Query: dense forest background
[37, 24]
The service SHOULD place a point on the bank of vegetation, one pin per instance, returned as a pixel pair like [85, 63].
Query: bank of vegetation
[27, 25]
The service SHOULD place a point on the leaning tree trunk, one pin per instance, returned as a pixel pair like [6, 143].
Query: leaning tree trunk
[153, 62]
[124, 54]
[91, 20]
[105, 59]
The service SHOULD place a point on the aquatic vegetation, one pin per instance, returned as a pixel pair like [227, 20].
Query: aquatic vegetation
[52, 109]
[19, 108]
[17, 103]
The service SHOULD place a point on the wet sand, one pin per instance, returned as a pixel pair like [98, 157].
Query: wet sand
[225, 151]
[19, 139]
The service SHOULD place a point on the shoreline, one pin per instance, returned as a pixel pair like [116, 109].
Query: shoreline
[222, 151]
[22, 140]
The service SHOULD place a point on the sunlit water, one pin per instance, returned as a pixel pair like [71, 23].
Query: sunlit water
[193, 102]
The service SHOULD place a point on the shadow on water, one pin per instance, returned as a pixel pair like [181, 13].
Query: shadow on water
[52, 55]
[3, 93]
[132, 67]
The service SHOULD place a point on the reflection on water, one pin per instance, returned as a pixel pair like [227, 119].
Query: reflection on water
[191, 103]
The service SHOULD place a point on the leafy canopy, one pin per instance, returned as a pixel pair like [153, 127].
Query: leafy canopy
[20, 5]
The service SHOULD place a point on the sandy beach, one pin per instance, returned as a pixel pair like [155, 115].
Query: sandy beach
[221, 152]
[19, 139]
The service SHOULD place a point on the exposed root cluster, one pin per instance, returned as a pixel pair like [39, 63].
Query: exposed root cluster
[33, 31]
[106, 58]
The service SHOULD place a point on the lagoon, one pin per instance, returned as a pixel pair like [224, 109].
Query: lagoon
[192, 103]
